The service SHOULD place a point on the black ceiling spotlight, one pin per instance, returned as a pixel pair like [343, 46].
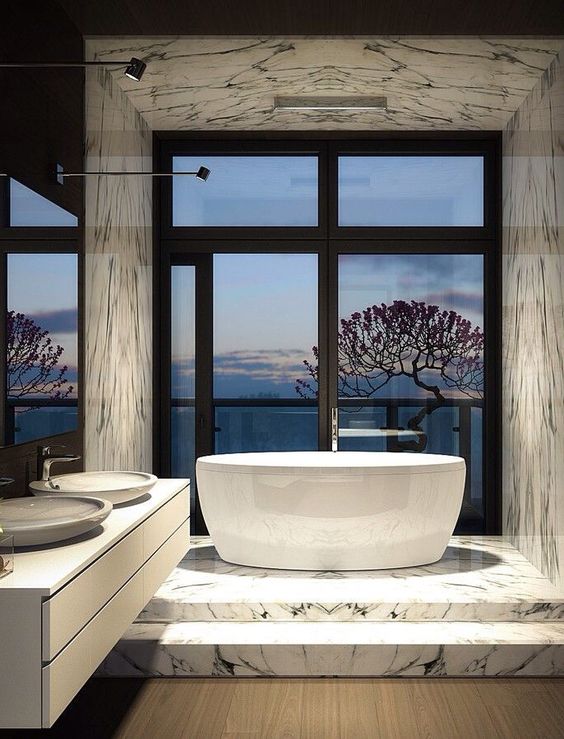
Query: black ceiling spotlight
[203, 173]
[134, 68]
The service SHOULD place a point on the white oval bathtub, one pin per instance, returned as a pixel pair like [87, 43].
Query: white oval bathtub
[330, 510]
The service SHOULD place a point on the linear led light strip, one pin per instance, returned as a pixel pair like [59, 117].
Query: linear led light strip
[330, 102]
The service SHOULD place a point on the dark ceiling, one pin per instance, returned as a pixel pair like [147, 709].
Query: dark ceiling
[304, 17]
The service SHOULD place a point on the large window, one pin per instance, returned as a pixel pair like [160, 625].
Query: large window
[356, 275]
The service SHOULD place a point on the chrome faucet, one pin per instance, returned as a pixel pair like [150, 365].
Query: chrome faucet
[334, 429]
[48, 455]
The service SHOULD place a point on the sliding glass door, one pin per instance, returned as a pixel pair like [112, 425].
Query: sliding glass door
[237, 387]
[265, 323]
[410, 349]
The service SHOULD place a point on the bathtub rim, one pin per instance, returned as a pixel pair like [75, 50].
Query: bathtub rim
[219, 463]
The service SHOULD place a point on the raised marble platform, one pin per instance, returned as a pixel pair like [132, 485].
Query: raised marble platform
[398, 649]
[478, 579]
[482, 610]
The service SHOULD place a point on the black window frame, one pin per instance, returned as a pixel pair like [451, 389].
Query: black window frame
[181, 244]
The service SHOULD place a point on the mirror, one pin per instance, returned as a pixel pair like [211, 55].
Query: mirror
[40, 334]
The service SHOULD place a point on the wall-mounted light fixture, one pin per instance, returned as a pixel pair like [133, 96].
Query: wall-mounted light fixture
[200, 174]
[134, 68]
[330, 103]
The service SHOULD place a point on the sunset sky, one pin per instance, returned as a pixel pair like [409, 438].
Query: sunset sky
[265, 309]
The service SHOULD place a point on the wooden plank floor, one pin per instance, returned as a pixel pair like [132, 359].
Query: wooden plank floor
[169, 708]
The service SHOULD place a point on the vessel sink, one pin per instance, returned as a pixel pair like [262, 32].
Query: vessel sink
[117, 487]
[51, 518]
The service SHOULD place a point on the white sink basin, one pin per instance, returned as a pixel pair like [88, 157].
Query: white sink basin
[117, 487]
[51, 518]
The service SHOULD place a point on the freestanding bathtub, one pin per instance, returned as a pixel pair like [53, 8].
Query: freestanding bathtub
[330, 510]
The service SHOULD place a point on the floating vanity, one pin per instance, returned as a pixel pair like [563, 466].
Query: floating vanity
[65, 606]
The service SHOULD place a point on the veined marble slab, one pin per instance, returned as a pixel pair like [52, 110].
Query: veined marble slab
[118, 282]
[230, 83]
[533, 325]
[345, 649]
[478, 579]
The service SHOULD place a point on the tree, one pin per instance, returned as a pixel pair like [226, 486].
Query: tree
[438, 350]
[33, 360]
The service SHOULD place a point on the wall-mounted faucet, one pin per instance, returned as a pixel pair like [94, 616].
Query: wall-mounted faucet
[334, 429]
[47, 455]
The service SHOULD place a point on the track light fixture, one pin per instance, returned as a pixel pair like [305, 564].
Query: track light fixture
[134, 68]
[201, 174]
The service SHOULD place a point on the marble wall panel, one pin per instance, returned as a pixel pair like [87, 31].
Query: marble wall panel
[118, 282]
[533, 325]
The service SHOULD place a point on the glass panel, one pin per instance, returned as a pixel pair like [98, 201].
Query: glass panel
[28, 208]
[411, 357]
[246, 191]
[182, 377]
[265, 324]
[42, 357]
[411, 191]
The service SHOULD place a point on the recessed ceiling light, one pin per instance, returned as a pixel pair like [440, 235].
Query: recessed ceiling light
[330, 102]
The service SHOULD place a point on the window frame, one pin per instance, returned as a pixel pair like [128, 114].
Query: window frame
[450, 148]
[215, 147]
[328, 241]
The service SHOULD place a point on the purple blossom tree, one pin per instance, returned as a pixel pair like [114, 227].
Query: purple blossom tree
[33, 361]
[438, 350]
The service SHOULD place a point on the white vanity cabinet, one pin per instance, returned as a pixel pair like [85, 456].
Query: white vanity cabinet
[65, 606]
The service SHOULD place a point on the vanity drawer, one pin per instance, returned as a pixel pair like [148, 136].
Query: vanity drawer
[67, 673]
[64, 614]
[165, 559]
[74, 605]
[164, 522]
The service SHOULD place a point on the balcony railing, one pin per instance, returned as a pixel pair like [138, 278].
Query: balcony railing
[13, 434]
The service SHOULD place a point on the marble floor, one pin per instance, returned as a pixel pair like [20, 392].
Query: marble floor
[482, 610]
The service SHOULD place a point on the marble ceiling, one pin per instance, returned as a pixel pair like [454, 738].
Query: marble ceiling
[207, 84]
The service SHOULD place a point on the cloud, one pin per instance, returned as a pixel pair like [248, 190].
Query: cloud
[64, 321]
[461, 300]
[277, 367]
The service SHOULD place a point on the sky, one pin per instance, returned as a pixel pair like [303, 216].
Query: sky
[28, 208]
[373, 191]
[265, 310]
[265, 306]
[45, 287]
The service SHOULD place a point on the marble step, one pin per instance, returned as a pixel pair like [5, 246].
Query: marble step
[338, 649]
[478, 579]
